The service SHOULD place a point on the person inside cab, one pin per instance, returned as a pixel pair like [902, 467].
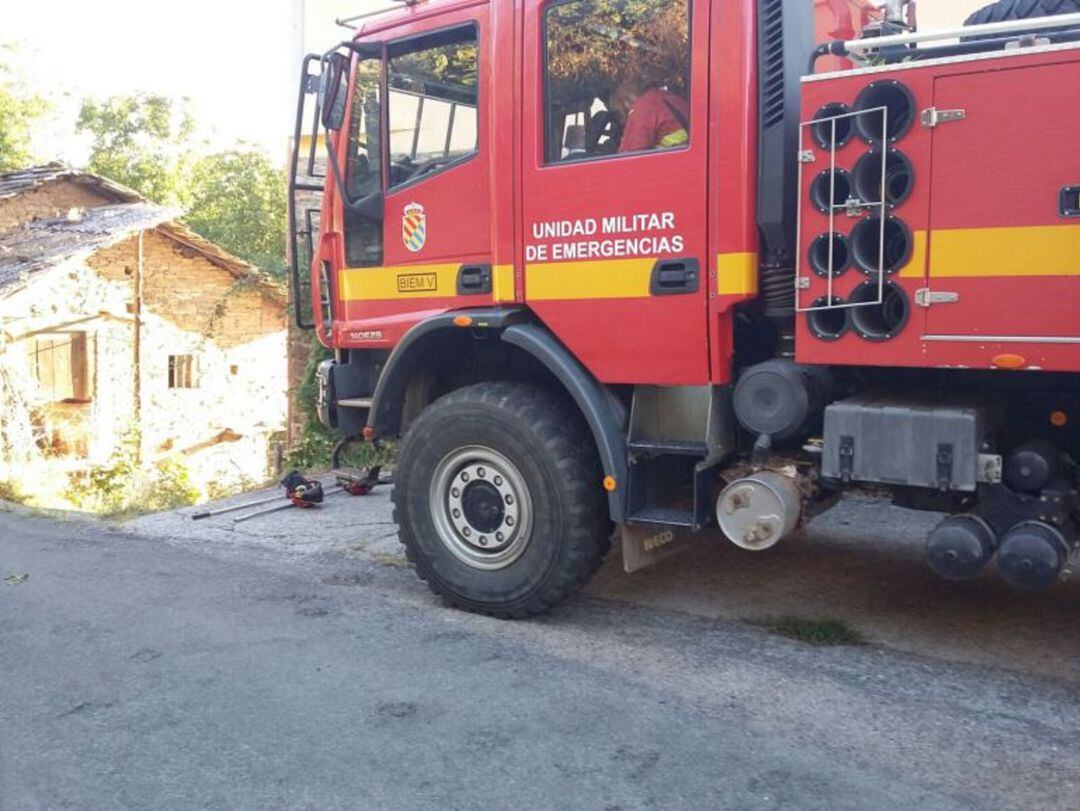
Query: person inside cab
[652, 117]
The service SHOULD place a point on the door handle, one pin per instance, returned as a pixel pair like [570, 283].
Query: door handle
[474, 280]
[1069, 202]
[674, 277]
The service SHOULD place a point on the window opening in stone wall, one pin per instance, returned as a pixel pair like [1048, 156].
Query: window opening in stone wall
[61, 365]
[183, 372]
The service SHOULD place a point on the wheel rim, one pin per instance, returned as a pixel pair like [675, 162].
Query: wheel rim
[481, 507]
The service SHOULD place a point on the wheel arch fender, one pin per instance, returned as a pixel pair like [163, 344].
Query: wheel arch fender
[605, 415]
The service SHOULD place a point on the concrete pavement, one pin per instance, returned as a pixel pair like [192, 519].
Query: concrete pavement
[861, 563]
[137, 673]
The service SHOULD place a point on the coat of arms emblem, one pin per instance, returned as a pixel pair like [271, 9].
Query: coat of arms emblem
[413, 227]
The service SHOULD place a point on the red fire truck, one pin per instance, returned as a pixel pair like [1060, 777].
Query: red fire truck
[640, 268]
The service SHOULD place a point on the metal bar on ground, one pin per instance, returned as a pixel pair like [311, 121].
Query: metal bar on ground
[235, 507]
[280, 507]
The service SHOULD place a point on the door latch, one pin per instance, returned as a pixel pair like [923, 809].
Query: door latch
[924, 297]
[932, 116]
[672, 277]
[474, 280]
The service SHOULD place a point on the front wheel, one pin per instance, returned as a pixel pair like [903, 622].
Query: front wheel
[498, 499]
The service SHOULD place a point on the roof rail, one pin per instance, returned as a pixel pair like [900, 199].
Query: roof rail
[861, 46]
[974, 39]
[347, 22]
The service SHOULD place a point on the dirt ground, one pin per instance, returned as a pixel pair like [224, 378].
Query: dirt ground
[861, 563]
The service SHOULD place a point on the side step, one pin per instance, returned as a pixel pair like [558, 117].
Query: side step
[668, 447]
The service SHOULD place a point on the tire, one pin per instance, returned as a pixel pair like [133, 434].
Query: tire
[513, 468]
[1005, 10]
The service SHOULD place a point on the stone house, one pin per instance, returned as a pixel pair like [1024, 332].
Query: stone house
[114, 317]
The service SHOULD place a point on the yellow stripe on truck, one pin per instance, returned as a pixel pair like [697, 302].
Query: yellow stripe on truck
[605, 279]
[1052, 250]
[416, 282]
[503, 286]
[737, 274]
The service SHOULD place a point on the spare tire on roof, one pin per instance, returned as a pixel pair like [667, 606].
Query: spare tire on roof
[1006, 10]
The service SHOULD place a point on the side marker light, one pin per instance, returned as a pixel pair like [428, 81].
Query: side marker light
[610, 484]
[462, 321]
[1009, 361]
[1059, 419]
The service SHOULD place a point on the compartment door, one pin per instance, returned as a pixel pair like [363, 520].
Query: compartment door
[1004, 241]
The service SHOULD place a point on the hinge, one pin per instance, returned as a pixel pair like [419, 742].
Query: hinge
[944, 466]
[847, 458]
[924, 297]
[990, 468]
[807, 156]
[932, 116]
[802, 283]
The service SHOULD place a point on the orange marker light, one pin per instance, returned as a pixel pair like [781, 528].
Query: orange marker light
[610, 484]
[462, 321]
[1009, 361]
[369, 433]
[1059, 419]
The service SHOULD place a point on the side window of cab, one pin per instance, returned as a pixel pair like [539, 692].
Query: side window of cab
[432, 103]
[617, 77]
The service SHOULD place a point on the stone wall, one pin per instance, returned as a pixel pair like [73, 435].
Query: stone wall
[236, 337]
[72, 297]
[225, 425]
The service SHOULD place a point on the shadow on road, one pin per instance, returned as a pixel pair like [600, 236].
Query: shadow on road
[863, 564]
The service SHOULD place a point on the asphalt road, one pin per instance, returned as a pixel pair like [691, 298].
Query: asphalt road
[141, 673]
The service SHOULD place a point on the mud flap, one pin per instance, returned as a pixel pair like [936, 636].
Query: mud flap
[646, 544]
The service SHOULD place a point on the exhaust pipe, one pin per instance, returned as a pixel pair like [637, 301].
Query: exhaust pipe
[1033, 555]
[757, 512]
[960, 547]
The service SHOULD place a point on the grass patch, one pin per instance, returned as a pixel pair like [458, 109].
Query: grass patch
[10, 491]
[387, 559]
[821, 632]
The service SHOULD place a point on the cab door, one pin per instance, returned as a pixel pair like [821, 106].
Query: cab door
[614, 230]
[422, 123]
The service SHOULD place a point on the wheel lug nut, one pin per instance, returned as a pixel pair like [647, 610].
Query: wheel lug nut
[498, 481]
[480, 472]
[455, 492]
[457, 513]
[466, 532]
[464, 477]
[509, 520]
[483, 541]
[499, 537]
[509, 499]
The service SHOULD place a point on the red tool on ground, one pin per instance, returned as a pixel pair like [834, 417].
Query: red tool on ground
[358, 482]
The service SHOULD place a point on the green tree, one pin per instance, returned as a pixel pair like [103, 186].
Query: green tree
[18, 111]
[142, 141]
[238, 201]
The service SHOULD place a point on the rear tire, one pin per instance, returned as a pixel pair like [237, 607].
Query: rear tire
[498, 499]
